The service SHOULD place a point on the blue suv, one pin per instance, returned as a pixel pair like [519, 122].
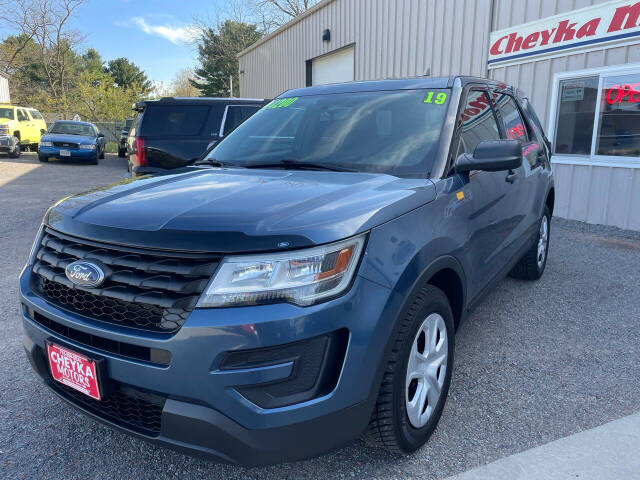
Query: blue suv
[302, 285]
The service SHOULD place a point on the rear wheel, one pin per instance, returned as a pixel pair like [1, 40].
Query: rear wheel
[531, 266]
[121, 152]
[417, 377]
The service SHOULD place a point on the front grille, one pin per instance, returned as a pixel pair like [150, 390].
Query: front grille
[65, 145]
[125, 406]
[147, 290]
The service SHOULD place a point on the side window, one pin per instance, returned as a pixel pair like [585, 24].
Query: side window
[22, 116]
[513, 123]
[36, 114]
[477, 122]
[237, 114]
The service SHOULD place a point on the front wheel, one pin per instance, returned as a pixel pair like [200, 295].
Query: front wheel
[531, 266]
[42, 158]
[417, 376]
[15, 153]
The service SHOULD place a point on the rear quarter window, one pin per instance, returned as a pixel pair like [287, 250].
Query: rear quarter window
[176, 120]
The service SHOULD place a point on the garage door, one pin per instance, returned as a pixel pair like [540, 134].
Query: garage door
[333, 68]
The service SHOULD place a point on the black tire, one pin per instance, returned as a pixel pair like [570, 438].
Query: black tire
[94, 160]
[42, 158]
[121, 153]
[16, 152]
[389, 427]
[528, 267]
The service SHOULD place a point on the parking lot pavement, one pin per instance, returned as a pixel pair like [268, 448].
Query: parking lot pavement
[534, 363]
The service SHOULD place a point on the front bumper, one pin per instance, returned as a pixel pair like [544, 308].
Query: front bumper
[76, 153]
[7, 144]
[203, 412]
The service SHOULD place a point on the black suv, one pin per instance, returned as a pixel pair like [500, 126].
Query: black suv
[303, 284]
[174, 132]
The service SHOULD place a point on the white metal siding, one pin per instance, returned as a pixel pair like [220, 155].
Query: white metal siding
[4, 90]
[393, 38]
[598, 194]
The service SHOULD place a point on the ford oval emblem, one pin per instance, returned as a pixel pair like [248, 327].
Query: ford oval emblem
[85, 273]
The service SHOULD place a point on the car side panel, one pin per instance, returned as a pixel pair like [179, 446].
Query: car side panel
[399, 251]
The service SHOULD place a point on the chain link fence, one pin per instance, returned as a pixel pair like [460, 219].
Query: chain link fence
[110, 129]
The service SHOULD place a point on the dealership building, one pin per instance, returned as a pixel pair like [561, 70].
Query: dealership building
[577, 60]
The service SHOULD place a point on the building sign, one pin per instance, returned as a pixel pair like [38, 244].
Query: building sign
[611, 22]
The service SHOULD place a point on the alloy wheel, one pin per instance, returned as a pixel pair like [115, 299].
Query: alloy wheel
[543, 241]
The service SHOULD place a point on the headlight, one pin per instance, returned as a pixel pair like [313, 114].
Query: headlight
[90, 146]
[302, 277]
[46, 144]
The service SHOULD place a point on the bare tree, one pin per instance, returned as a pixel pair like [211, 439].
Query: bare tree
[42, 26]
[182, 84]
[272, 14]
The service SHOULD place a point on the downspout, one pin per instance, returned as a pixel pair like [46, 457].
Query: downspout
[490, 26]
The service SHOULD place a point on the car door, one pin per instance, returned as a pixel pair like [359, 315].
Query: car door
[26, 127]
[485, 199]
[528, 196]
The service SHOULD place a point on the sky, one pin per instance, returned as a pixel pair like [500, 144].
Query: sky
[156, 35]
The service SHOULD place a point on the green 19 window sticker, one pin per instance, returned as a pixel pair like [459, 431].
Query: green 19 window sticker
[282, 102]
[436, 97]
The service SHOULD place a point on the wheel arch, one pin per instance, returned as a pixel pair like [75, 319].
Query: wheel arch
[550, 201]
[446, 273]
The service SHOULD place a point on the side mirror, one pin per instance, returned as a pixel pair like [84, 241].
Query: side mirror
[101, 135]
[492, 156]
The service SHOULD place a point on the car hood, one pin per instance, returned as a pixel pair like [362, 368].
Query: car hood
[238, 210]
[60, 137]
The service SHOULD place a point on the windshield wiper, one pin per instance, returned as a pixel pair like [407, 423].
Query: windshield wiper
[298, 165]
[212, 162]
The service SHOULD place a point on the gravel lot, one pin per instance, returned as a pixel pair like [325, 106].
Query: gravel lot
[534, 363]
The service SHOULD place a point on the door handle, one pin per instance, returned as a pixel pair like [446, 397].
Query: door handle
[511, 176]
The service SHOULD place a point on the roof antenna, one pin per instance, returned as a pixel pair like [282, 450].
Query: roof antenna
[427, 72]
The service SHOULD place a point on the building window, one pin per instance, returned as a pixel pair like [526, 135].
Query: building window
[576, 116]
[619, 121]
[597, 114]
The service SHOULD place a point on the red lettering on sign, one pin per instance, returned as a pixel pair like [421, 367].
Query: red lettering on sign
[495, 48]
[628, 15]
[618, 93]
[566, 31]
[589, 28]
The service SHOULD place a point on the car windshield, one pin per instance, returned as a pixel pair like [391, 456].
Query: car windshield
[66, 128]
[7, 113]
[394, 132]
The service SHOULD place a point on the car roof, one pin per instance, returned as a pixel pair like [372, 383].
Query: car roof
[199, 100]
[390, 84]
[77, 122]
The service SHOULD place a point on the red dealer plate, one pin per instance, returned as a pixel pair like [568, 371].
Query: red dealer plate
[74, 370]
